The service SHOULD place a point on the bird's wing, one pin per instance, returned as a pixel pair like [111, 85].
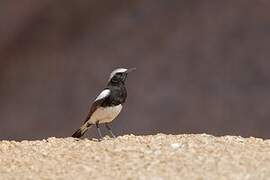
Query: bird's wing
[100, 98]
[105, 93]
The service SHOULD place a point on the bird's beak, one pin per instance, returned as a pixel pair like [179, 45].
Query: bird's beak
[130, 70]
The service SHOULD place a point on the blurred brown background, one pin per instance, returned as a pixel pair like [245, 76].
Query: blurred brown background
[202, 66]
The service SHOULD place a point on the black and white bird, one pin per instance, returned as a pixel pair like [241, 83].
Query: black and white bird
[108, 103]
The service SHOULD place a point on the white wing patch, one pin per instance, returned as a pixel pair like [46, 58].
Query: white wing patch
[103, 94]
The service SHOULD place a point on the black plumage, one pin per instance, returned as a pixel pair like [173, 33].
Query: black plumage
[118, 95]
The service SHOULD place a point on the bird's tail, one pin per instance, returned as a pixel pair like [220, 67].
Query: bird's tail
[80, 132]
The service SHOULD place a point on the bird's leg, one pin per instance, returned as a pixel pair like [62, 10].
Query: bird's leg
[110, 130]
[98, 130]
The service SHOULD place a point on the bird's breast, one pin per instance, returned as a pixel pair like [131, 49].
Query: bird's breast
[106, 114]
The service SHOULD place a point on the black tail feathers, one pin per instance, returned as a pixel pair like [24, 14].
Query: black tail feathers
[79, 133]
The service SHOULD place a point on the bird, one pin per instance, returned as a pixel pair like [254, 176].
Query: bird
[108, 104]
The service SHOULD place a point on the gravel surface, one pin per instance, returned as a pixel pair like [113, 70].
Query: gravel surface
[154, 157]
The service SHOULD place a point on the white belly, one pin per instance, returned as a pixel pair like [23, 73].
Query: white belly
[105, 114]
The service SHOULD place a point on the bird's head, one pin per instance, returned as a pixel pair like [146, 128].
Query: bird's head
[119, 75]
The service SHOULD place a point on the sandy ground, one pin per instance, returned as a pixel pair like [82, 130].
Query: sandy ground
[154, 157]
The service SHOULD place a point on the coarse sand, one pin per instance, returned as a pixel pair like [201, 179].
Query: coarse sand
[154, 157]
